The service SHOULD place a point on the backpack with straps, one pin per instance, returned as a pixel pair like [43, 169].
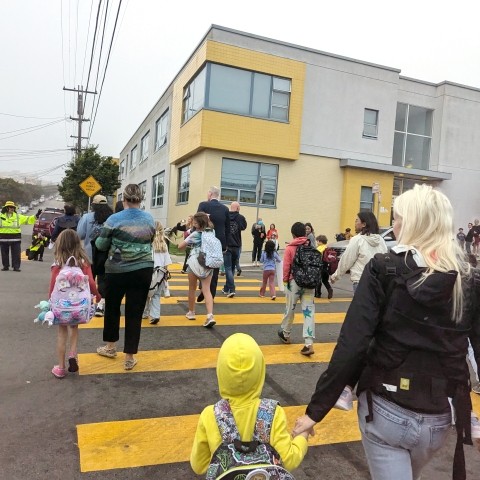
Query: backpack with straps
[211, 253]
[238, 460]
[330, 260]
[71, 300]
[307, 266]
[159, 276]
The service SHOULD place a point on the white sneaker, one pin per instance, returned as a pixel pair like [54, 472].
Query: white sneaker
[99, 311]
[345, 401]
[190, 315]
[210, 321]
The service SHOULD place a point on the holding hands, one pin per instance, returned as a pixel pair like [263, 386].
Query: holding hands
[304, 426]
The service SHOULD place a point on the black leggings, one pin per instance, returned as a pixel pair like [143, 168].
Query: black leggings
[257, 249]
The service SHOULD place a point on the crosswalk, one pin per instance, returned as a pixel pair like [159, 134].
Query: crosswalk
[180, 361]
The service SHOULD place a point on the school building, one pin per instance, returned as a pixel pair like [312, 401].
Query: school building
[297, 134]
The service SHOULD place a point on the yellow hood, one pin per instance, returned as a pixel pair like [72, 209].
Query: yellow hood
[240, 369]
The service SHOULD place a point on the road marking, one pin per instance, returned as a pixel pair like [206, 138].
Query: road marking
[266, 300]
[156, 441]
[184, 279]
[195, 359]
[222, 320]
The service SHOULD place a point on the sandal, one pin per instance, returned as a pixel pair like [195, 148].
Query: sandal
[129, 364]
[58, 371]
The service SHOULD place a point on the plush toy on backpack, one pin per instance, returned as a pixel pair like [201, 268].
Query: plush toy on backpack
[45, 315]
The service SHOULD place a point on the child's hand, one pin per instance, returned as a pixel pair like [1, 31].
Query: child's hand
[304, 425]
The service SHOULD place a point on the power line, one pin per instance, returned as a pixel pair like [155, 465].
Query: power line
[37, 118]
[34, 127]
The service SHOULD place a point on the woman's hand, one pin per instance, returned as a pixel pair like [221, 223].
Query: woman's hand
[303, 424]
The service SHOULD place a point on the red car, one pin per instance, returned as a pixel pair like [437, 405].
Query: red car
[46, 221]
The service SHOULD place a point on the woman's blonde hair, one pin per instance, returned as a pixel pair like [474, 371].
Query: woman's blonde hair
[427, 225]
[133, 193]
[68, 244]
[159, 243]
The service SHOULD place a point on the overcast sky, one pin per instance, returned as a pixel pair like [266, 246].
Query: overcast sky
[44, 48]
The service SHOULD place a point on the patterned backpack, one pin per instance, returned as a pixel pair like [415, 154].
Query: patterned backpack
[211, 254]
[255, 460]
[71, 300]
[307, 266]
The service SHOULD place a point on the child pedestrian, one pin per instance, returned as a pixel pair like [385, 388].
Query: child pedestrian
[268, 258]
[68, 244]
[161, 258]
[195, 271]
[294, 293]
[241, 375]
[322, 241]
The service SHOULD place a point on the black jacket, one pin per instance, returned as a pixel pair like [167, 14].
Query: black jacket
[368, 337]
[219, 216]
[238, 223]
[65, 222]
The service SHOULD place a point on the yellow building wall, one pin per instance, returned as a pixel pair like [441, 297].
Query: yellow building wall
[236, 133]
[354, 179]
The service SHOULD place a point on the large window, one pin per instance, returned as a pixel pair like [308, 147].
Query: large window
[413, 137]
[158, 187]
[366, 199]
[161, 131]
[370, 123]
[241, 182]
[183, 184]
[144, 147]
[233, 90]
[143, 189]
[133, 157]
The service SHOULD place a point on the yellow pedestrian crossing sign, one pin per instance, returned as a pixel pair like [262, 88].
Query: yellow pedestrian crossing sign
[90, 186]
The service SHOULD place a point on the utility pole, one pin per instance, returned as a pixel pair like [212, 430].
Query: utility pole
[80, 111]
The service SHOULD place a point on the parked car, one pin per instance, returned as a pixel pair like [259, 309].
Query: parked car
[46, 221]
[385, 232]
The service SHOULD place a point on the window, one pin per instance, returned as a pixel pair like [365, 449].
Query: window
[370, 123]
[133, 157]
[121, 172]
[242, 92]
[161, 131]
[158, 186]
[240, 182]
[366, 199]
[143, 189]
[413, 136]
[144, 147]
[183, 184]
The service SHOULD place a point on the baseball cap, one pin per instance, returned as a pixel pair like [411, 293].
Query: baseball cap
[97, 199]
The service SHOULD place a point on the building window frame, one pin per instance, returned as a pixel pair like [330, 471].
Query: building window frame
[144, 147]
[183, 185]
[121, 173]
[158, 189]
[143, 189]
[161, 130]
[370, 123]
[133, 157]
[366, 199]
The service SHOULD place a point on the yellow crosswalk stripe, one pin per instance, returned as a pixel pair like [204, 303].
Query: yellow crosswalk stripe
[194, 359]
[222, 320]
[183, 279]
[243, 299]
[157, 441]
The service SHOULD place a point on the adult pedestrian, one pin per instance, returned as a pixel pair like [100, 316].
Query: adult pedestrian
[127, 236]
[259, 235]
[469, 239]
[88, 229]
[461, 238]
[408, 328]
[220, 218]
[310, 234]
[238, 223]
[11, 234]
[360, 249]
[69, 220]
[476, 236]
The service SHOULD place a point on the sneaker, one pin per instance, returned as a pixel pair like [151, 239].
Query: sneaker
[99, 311]
[129, 364]
[261, 296]
[345, 401]
[104, 351]
[16, 270]
[225, 292]
[210, 321]
[284, 337]
[72, 363]
[59, 372]
[154, 321]
[183, 271]
[145, 315]
[230, 294]
[190, 315]
[239, 272]
[5, 269]
[307, 350]
[274, 297]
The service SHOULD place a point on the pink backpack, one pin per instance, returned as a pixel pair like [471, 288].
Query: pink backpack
[71, 300]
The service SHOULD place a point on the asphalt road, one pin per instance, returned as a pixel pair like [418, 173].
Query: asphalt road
[44, 420]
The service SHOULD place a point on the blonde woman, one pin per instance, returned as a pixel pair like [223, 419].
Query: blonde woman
[405, 340]
[161, 258]
[196, 272]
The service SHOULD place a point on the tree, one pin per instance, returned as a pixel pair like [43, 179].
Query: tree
[20, 193]
[89, 162]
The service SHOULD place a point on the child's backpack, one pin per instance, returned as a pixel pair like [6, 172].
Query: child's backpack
[159, 275]
[330, 260]
[211, 253]
[257, 459]
[71, 300]
[307, 266]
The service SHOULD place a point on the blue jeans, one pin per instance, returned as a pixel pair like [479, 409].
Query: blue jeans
[230, 258]
[398, 443]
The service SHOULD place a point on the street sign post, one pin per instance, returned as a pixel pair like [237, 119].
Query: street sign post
[90, 186]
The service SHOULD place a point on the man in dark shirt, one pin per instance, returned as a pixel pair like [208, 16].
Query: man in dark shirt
[220, 218]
